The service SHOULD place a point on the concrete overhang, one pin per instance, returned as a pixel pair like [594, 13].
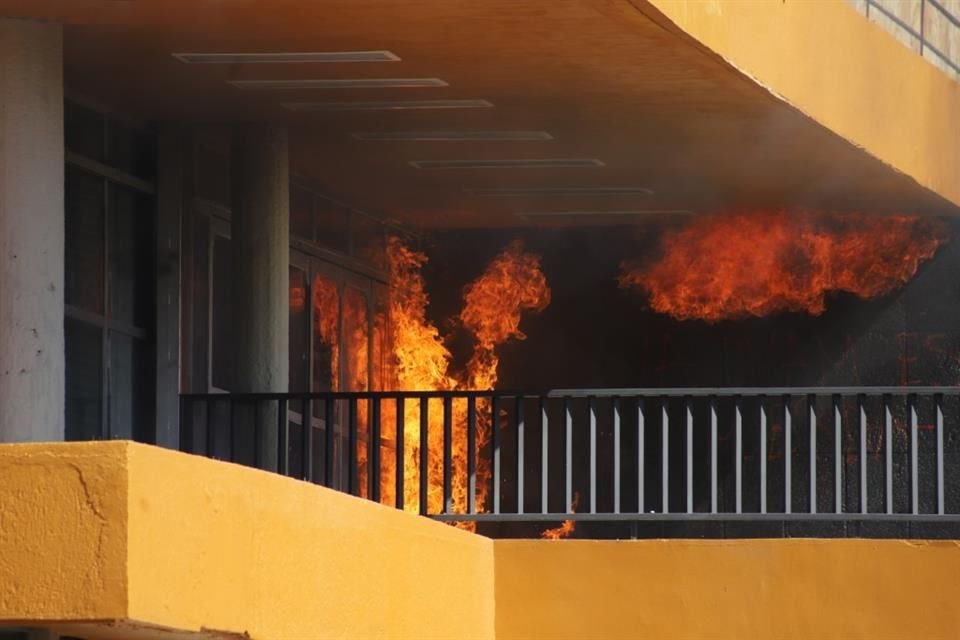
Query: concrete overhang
[706, 104]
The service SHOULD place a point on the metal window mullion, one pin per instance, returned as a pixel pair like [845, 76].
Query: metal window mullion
[616, 455]
[106, 421]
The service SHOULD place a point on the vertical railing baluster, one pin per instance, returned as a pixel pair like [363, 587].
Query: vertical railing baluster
[713, 454]
[812, 423]
[495, 449]
[738, 456]
[616, 455]
[424, 455]
[329, 410]
[862, 411]
[283, 438]
[938, 401]
[787, 456]
[448, 455]
[837, 456]
[592, 406]
[763, 454]
[207, 423]
[400, 461]
[352, 451]
[185, 434]
[641, 455]
[306, 440]
[914, 455]
[665, 456]
[888, 450]
[373, 450]
[568, 460]
[688, 411]
[471, 455]
[544, 456]
[521, 442]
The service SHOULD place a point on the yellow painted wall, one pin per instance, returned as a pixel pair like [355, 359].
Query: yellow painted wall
[113, 540]
[277, 558]
[737, 589]
[843, 71]
[62, 532]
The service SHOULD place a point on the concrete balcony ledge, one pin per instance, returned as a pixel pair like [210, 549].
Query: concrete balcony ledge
[122, 540]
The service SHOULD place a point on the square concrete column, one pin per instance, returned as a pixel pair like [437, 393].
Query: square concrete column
[260, 233]
[31, 231]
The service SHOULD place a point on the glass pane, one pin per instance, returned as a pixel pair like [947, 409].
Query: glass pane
[84, 361]
[369, 240]
[131, 150]
[131, 257]
[356, 338]
[333, 225]
[223, 360]
[131, 390]
[301, 212]
[84, 241]
[299, 332]
[326, 342]
[83, 131]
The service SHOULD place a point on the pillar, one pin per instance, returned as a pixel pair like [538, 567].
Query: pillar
[260, 232]
[31, 231]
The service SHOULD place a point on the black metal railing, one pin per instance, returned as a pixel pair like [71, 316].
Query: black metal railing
[844, 454]
[939, 14]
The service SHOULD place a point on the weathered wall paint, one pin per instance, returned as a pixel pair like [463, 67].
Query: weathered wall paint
[63, 525]
[837, 67]
[116, 540]
[790, 588]
[278, 558]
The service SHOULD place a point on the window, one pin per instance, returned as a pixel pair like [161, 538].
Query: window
[109, 279]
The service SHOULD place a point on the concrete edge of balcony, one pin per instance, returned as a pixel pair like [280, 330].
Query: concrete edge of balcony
[117, 539]
[841, 70]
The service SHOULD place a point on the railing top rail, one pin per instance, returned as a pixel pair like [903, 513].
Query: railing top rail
[651, 392]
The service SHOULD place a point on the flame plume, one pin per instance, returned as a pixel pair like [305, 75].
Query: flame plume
[494, 303]
[732, 266]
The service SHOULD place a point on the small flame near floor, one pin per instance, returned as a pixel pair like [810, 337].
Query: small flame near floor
[566, 528]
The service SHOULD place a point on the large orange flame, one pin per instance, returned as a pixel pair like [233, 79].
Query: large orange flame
[730, 266]
[512, 283]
